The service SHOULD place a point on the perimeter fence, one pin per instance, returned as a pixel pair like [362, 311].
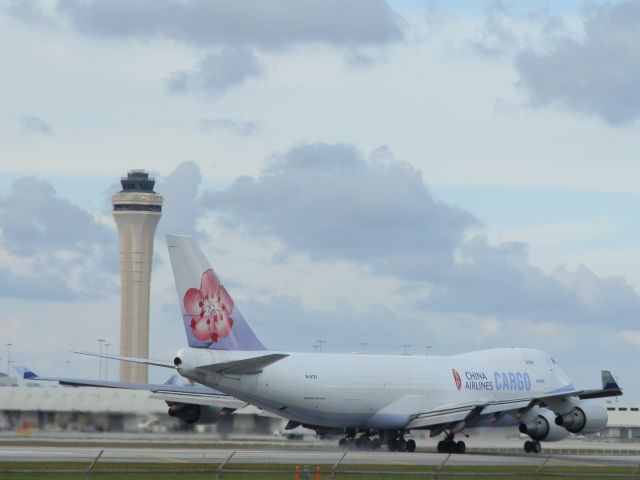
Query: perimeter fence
[203, 468]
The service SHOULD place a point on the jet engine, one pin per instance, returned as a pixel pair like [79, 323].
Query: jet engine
[543, 427]
[192, 413]
[585, 418]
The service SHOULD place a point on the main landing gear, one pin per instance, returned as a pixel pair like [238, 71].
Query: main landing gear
[363, 442]
[532, 446]
[372, 440]
[449, 445]
[396, 442]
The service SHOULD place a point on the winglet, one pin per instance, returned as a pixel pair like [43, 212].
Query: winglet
[25, 372]
[608, 382]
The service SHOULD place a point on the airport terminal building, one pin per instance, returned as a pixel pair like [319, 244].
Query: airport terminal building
[91, 409]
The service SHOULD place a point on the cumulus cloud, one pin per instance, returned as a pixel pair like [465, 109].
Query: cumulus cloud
[331, 203]
[597, 74]
[56, 243]
[33, 219]
[217, 72]
[253, 23]
[327, 200]
[35, 125]
[180, 190]
[243, 128]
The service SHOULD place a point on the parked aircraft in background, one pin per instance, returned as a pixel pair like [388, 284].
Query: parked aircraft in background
[373, 399]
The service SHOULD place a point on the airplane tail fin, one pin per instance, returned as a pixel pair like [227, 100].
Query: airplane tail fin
[210, 316]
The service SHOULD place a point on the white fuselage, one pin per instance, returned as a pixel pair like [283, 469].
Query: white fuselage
[377, 391]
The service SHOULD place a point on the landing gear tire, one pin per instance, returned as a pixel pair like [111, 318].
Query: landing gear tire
[411, 445]
[343, 443]
[364, 443]
[392, 445]
[532, 446]
[450, 446]
[402, 445]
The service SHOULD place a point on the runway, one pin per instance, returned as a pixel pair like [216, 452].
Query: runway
[306, 457]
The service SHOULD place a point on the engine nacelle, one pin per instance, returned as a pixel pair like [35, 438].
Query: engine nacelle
[192, 413]
[585, 418]
[543, 427]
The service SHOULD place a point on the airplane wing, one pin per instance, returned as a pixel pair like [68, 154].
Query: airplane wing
[457, 416]
[168, 391]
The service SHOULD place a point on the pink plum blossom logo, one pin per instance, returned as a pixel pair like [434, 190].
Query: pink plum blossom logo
[456, 378]
[210, 309]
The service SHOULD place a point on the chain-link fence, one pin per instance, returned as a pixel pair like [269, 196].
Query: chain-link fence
[203, 468]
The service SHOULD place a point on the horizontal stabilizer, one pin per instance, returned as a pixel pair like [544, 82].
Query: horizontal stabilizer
[247, 366]
[144, 361]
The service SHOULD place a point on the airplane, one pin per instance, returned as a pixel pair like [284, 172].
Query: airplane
[372, 399]
[189, 403]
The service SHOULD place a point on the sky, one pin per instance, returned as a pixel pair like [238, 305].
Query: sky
[420, 176]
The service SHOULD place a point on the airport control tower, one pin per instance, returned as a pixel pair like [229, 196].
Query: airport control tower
[137, 209]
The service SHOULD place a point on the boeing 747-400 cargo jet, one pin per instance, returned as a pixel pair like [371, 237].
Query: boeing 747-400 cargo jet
[373, 399]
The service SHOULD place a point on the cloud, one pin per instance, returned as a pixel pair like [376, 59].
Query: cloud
[217, 72]
[180, 189]
[50, 241]
[34, 219]
[327, 200]
[506, 30]
[41, 287]
[358, 58]
[253, 23]
[500, 280]
[597, 74]
[35, 125]
[26, 10]
[239, 127]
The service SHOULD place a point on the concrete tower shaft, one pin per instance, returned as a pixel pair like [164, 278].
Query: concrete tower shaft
[137, 210]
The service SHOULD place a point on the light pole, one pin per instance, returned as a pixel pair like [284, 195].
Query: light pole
[364, 346]
[320, 342]
[100, 342]
[8, 357]
[106, 361]
[406, 347]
